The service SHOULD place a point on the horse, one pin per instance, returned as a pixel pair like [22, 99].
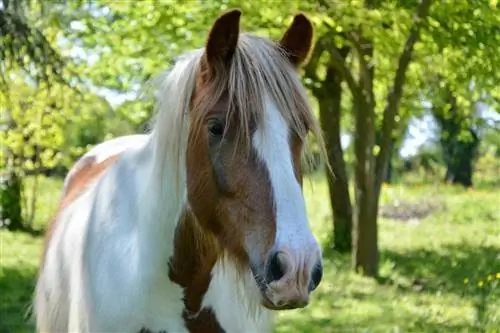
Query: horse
[200, 224]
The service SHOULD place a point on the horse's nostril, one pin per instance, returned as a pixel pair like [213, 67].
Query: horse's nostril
[275, 268]
[317, 275]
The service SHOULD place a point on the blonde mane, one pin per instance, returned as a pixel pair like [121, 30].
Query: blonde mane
[259, 70]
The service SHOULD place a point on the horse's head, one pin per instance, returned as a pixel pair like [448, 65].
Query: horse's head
[249, 120]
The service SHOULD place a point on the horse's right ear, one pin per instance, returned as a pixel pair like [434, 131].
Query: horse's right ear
[298, 40]
[222, 40]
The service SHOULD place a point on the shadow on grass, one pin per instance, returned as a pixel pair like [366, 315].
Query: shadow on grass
[446, 270]
[16, 292]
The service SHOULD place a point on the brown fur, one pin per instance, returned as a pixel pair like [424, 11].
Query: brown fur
[228, 186]
[195, 254]
[205, 322]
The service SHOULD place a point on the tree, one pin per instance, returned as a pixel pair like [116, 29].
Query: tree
[24, 47]
[370, 165]
[462, 74]
[41, 101]
[459, 140]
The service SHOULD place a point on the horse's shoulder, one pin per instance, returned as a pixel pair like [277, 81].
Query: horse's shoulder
[100, 155]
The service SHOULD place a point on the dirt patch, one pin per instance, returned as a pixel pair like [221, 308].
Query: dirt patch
[410, 211]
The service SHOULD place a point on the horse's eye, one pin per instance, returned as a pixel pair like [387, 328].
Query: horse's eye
[215, 128]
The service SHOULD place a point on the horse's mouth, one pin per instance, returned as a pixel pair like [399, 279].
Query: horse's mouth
[267, 303]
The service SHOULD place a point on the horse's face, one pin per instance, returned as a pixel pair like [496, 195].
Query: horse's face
[250, 197]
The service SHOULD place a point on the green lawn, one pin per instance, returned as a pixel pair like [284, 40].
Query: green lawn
[438, 274]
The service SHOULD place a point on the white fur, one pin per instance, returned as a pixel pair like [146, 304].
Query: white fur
[273, 147]
[106, 267]
[235, 299]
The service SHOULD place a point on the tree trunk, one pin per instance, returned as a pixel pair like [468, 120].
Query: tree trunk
[459, 150]
[10, 201]
[459, 158]
[388, 174]
[340, 201]
[365, 234]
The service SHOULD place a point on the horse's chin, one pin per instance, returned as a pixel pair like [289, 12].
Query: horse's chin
[266, 303]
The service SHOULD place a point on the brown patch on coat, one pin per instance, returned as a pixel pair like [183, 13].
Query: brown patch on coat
[88, 172]
[205, 322]
[84, 176]
[195, 254]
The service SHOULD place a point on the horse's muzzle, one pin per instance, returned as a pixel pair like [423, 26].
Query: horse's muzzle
[290, 277]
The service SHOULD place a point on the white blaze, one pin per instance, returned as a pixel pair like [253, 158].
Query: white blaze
[271, 141]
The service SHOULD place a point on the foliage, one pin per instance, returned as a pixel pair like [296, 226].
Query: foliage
[43, 104]
[421, 288]
[491, 141]
[23, 43]
[25, 55]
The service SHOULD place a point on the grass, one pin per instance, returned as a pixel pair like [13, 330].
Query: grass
[438, 274]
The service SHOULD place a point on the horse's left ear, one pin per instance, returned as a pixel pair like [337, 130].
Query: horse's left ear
[222, 39]
[298, 39]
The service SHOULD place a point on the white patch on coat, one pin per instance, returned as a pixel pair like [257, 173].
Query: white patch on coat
[235, 300]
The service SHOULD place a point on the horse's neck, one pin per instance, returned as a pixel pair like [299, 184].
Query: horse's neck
[153, 200]
[164, 185]
[217, 294]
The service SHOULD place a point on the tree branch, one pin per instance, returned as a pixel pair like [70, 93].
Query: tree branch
[312, 66]
[396, 92]
[354, 39]
[339, 62]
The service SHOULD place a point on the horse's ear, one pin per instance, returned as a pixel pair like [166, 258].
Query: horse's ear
[223, 38]
[298, 39]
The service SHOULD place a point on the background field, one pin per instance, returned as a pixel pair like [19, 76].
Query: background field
[438, 274]
[407, 93]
